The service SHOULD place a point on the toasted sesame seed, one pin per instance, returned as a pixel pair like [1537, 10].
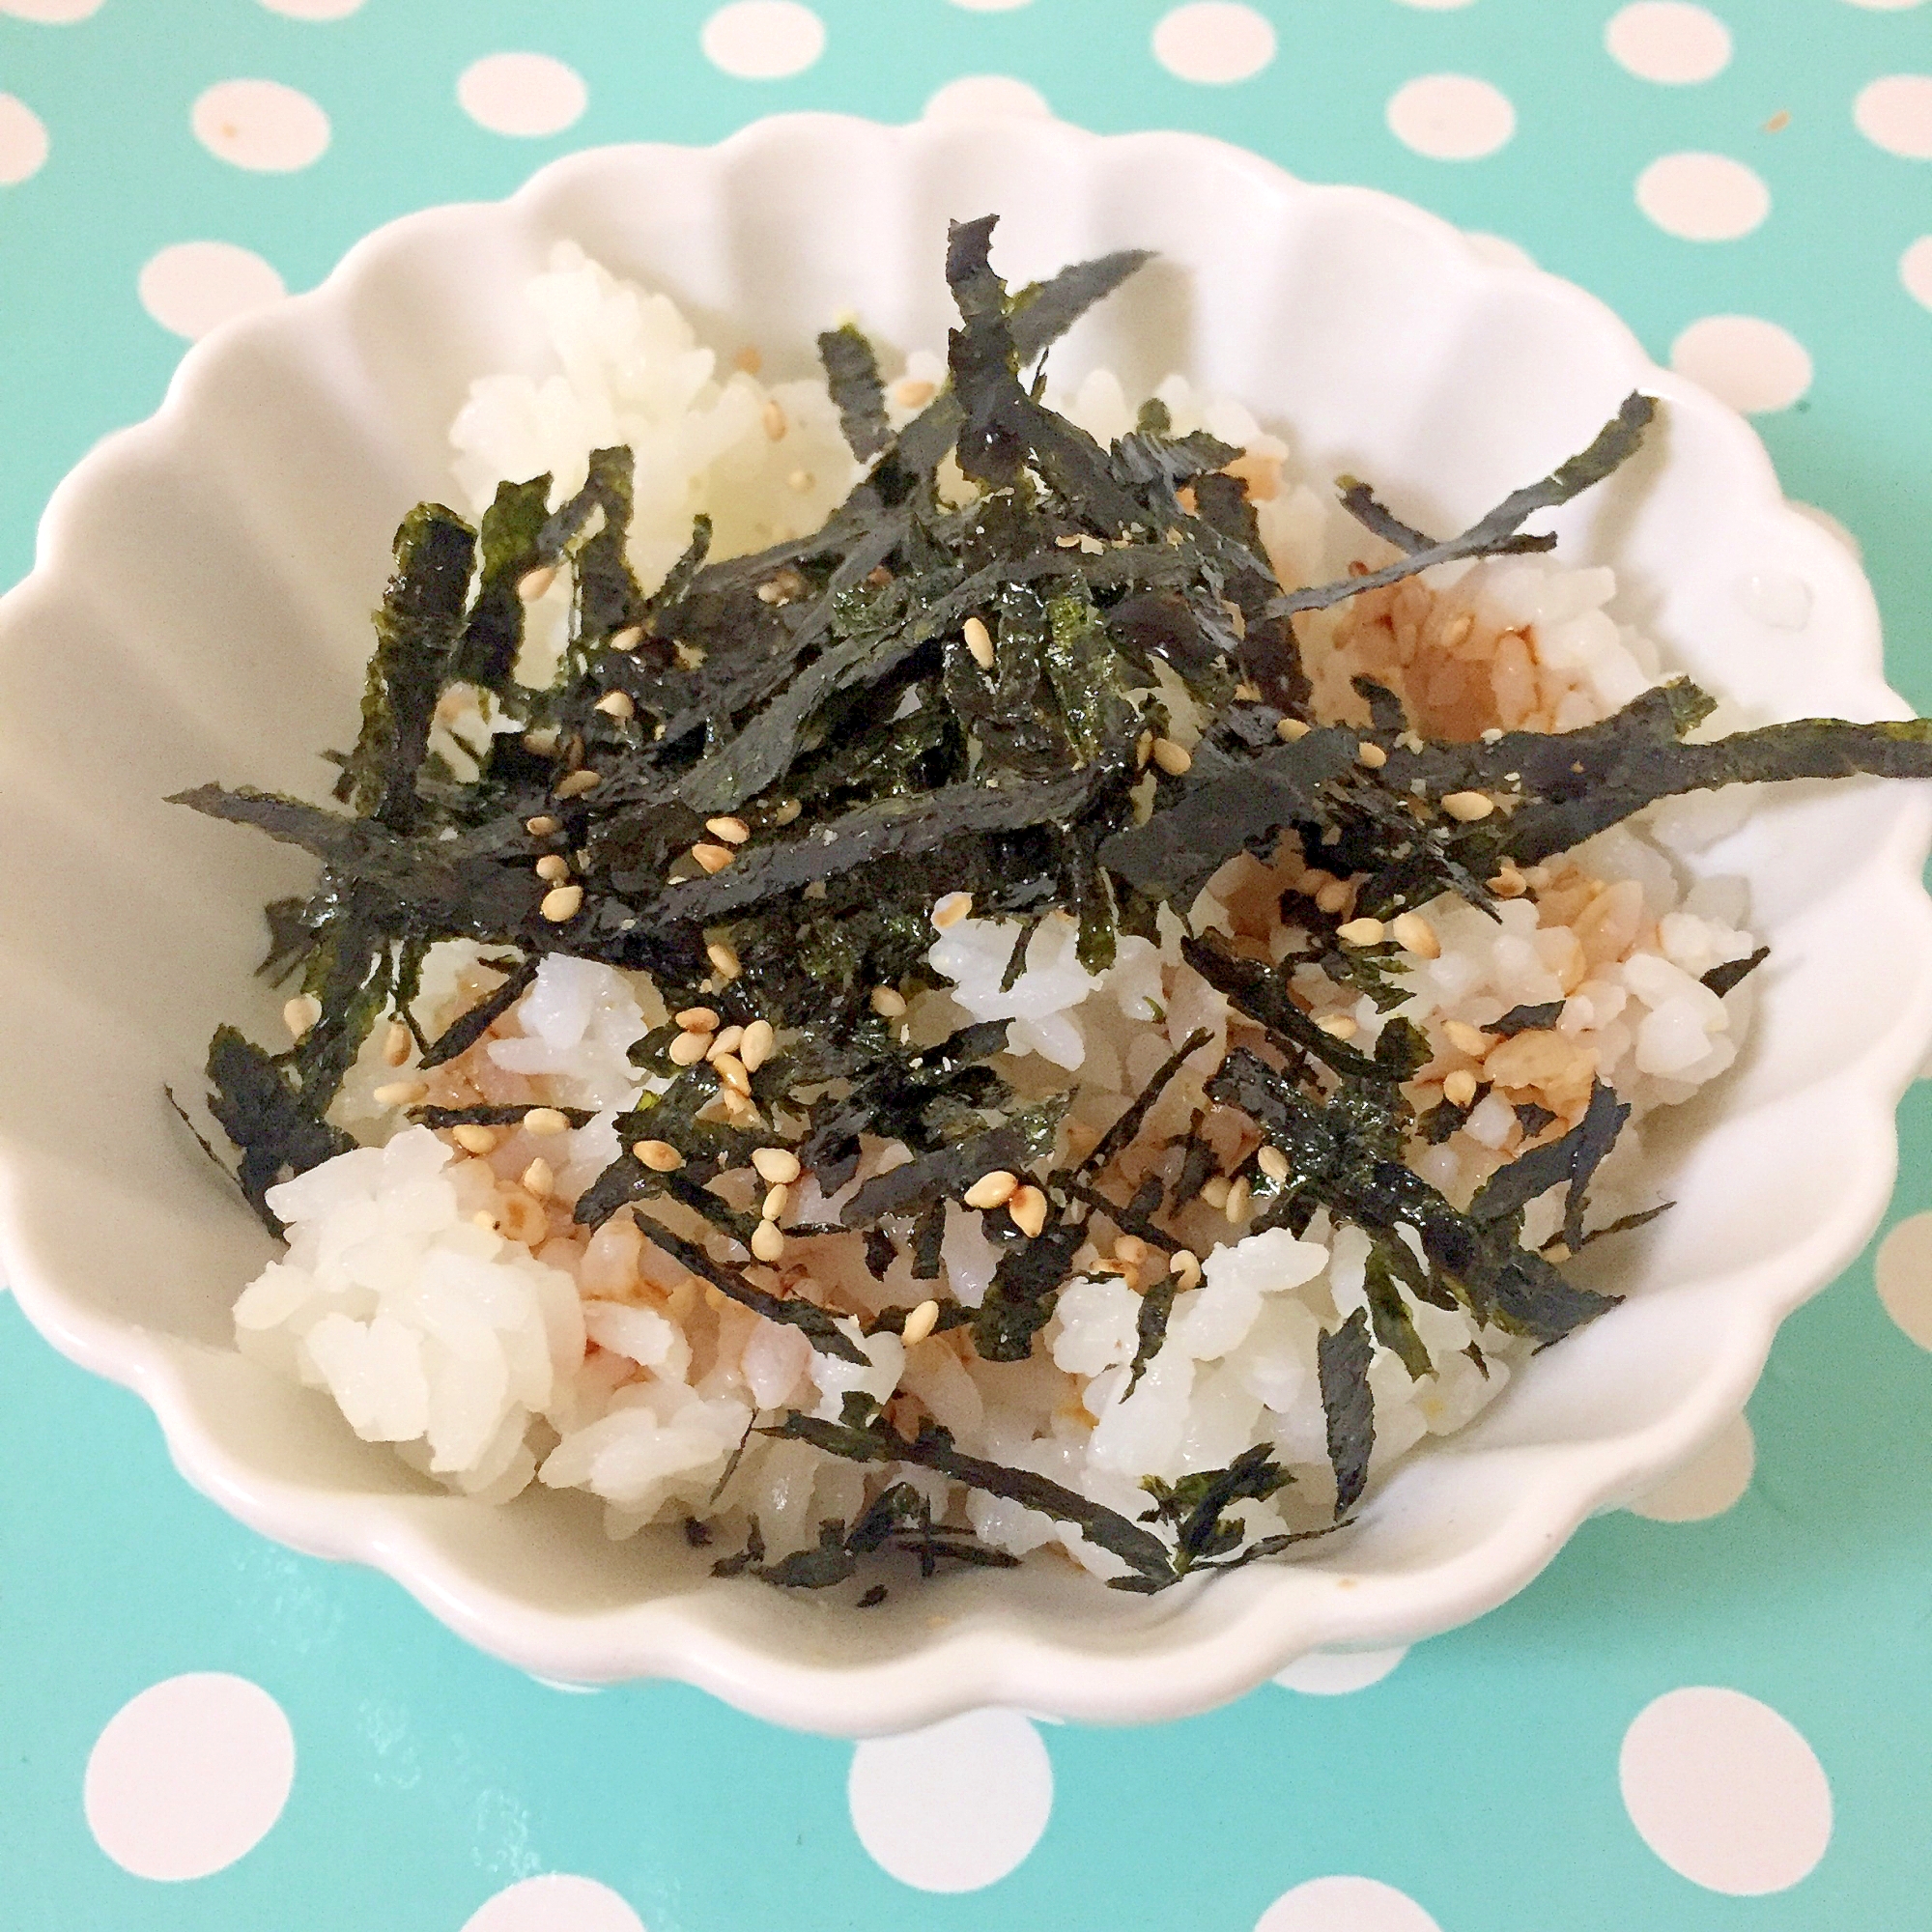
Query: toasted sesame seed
[1174, 759]
[396, 1043]
[788, 809]
[767, 1243]
[542, 825]
[561, 904]
[888, 1004]
[1414, 935]
[542, 741]
[1467, 1039]
[913, 393]
[992, 1191]
[545, 1121]
[1361, 932]
[728, 831]
[725, 1042]
[616, 704]
[689, 1048]
[534, 582]
[773, 1207]
[1239, 1194]
[301, 1013]
[730, 1069]
[1215, 1190]
[626, 640]
[1371, 755]
[1291, 729]
[1272, 1162]
[1186, 1264]
[696, 1019]
[949, 911]
[1335, 895]
[473, 1138]
[776, 1164]
[1459, 1089]
[539, 1178]
[1339, 1026]
[660, 1156]
[724, 961]
[574, 784]
[553, 866]
[713, 858]
[1130, 1251]
[738, 1107]
[775, 419]
[399, 1094]
[758, 1045]
[1466, 807]
[1508, 884]
[979, 640]
[920, 1323]
[1027, 1208]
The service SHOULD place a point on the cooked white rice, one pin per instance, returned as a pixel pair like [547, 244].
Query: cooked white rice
[450, 1305]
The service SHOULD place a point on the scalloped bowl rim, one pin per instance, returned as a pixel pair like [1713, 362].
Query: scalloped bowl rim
[984, 1666]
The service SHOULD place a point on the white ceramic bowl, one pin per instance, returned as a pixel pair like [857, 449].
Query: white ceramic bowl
[198, 610]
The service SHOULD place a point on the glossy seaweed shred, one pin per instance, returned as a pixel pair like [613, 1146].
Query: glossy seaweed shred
[825, 692]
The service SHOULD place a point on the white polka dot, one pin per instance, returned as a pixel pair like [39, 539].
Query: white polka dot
[24, 141]
[1904, 1271]
[555, 1903]
[1915, 269]
[189, 1775]
[1702, 197]
[260, 125]
[313, 10]
[1896, 113]
[977, 93]
[1451, 117]
[1499, 251]
[194, 286]
[1332, 1674]
[1668, 40]
[50, 13]
[526, 94]
[1345, 1904]
[954, 1806]
[1725, 1791]
[1707, 1484]
[763, 39]
[1752, 365]
[1213, 41]
[1832, 527]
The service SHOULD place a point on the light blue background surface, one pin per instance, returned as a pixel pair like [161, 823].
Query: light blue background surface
[1481, 1778]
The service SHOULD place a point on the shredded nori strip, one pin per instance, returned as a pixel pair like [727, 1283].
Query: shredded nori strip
[1722, 977]
[1526, 1019]
[1342, 1358]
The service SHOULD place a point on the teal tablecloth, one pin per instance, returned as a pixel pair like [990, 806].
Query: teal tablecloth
[1516, 1776]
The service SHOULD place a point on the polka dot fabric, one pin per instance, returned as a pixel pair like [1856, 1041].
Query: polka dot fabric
[1714, 1703]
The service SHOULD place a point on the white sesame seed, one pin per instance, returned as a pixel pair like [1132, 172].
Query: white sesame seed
[1027, 1208]
[1291, 729]
[979, 640]
[1272, 1162]
[1508, 884]
[473, 1138]
[1186, 1266]
[1174, 759]
[534, 582]
[696, 1019]
[660, 1156]
[399, 1094]
[949, 911]
[1239, 1194]
[1371, 755]
[788, 809]
[539, 1178]
[713, 858]
[1459, 1089]
[730, 1069]
[545, 1121]
[728, 831]
[1339, 1026]
[888, 1004]
[553, 866]
[725, 1042]
[724, 961]
[775, 419]
[1466, 807]
[689, 1048]
[1335, 895]
[767, 1243]
[628, 638]
[397, 1040]
[1467, 1039]
[910, 392]
[542, 741]
[542, 825]
[776, 1164]
[1130, 1251]
[773, 1207]
[616, 704]
[1215, 1190]
[920, 1323]
[758, 1045]
[561, 904]
[1414, 935]
[574, 784]
[992, 1191]
[1362, 932]
[301, 1013]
